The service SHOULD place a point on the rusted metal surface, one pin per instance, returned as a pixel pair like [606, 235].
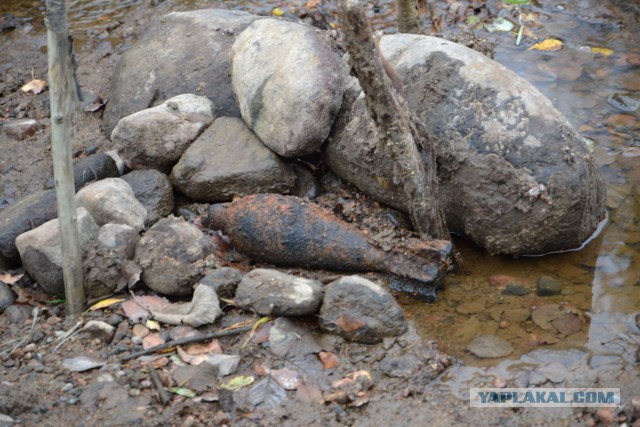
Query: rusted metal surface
[288, 231]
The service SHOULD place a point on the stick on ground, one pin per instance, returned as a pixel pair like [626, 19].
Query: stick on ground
[189, 340]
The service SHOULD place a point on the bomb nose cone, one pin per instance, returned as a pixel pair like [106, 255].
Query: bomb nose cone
[217, 216]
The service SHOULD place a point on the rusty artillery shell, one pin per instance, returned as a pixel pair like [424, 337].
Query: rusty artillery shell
[287, 231]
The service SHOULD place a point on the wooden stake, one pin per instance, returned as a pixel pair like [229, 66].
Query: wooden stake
[402, 134]
[64, 99]
[408, 19]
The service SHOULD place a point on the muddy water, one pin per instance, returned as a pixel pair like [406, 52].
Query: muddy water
[599, 63]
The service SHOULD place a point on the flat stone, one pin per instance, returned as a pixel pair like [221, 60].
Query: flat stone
[229, 160]
[489, 347]
[272, 293]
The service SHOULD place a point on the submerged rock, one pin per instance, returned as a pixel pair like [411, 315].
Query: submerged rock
[157, 137]
[288, 231]
[196, 60]
[288, 84]
[272, 293]
[228, 160]
[361, 311]
[489, 347]
[514, 176]
[173, 255]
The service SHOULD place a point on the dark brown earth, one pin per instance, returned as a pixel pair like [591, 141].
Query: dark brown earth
[35, 388]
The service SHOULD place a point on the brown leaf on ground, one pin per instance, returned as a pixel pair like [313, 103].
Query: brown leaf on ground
[152, 340]
[205, 348]
[10, 279]
[137, 313]
[329, 360]
[36, 86]
[204, 308]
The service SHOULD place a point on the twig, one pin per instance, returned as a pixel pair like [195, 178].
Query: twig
[67, 335]
[155, 379]
[189, 340]
[28, 336]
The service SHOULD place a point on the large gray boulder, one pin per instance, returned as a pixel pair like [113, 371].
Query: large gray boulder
[183, 52]
[228, 160]
[156, 137]
[41, 251]
[288, 84]
[514, 176]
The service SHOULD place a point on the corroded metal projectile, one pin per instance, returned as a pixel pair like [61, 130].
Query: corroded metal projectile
[288, 231]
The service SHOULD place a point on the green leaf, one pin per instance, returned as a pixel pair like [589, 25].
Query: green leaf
[499, 24]
[517, 2]
[182, 391]
[473, 20]
[236, 383]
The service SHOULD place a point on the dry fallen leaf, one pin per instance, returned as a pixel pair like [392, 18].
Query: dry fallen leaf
[36, 86]
[105, 303]
[205, 348]
[329, 360]
[547, 45]
[10, 279]
[605, 51]
[204, 308]
[136, 313]
[152, 340]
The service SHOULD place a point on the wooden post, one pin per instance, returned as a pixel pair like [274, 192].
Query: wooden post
[408, 18]
[64, 104]
[402, 135]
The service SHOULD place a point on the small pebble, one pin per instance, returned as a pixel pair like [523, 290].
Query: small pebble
[548, 286]
[114, 319]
